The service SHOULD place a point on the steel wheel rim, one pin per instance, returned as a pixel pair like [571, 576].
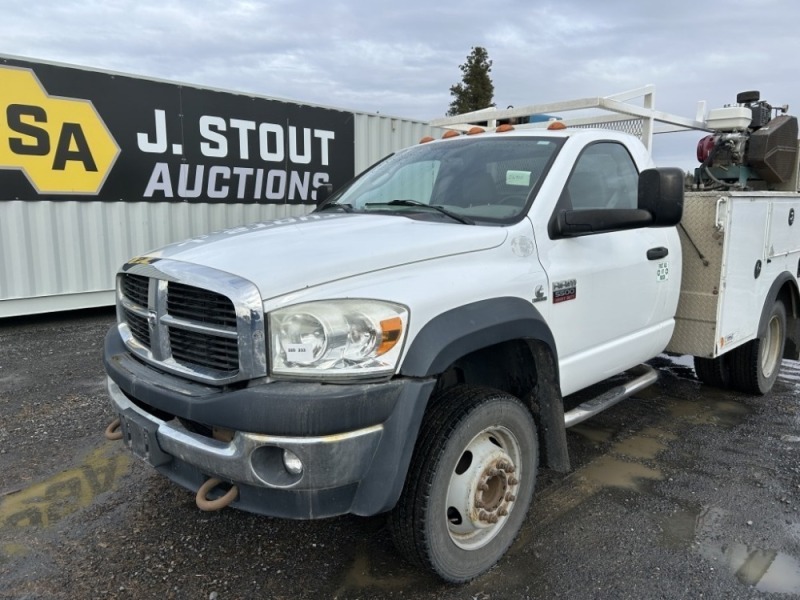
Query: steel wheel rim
[771, 350]
[482, 489]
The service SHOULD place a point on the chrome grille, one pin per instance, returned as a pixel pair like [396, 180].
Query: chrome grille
[202, 306]
[139, 327]
[213, 335]
[193, 348]
[135, 288]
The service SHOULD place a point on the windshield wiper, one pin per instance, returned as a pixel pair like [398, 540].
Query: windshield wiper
[437, 208]
[348, 208]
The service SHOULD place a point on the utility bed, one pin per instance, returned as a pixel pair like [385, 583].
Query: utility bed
[734, 245]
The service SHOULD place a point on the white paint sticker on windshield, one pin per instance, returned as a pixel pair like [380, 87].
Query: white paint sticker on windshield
[518, 178]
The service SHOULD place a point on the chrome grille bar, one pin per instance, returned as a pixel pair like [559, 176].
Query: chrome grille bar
[192, 320]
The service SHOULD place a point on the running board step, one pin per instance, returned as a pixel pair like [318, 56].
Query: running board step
[643, 376]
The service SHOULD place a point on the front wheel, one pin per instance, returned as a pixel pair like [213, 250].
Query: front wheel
[470, 483]
[754, 366]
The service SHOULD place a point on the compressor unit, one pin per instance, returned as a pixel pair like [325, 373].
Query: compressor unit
[751, 148]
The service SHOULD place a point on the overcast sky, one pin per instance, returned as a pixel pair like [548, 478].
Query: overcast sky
[401, 58]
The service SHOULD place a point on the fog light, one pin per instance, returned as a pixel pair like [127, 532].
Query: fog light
[292, 462]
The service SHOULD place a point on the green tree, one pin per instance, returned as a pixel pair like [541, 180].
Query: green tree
[476, 89]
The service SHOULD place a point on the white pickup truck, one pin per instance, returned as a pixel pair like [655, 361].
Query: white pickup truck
[407, 347]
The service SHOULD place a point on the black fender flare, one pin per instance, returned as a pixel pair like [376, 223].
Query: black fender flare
[465, 329]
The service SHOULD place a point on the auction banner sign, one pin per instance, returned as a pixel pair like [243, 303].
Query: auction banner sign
[68, 133]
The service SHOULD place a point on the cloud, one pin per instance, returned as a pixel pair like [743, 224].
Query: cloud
[402, 58]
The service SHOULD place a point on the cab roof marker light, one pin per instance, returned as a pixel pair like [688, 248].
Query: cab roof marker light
[426, 139]
[504, 127]
[476, 131]
[450, 133]
[556, 126]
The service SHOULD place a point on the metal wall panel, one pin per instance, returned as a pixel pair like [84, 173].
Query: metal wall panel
[377, 136]
[62, 255]
[59, 255]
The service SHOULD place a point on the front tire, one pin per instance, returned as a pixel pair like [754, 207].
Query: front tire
[470, 483]
[754, 366]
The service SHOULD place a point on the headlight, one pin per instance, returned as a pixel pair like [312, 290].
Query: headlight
[337, 338]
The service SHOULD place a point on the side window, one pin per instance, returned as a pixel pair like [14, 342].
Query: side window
[604, 177]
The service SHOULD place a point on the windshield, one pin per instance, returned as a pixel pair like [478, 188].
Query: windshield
[468, 180]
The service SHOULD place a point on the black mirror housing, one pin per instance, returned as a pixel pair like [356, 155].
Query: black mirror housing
[323, 192]
[575, 223]
[661, 194]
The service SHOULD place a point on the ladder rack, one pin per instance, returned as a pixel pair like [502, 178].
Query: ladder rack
[618, 112]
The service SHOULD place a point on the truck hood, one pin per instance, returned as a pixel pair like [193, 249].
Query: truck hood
[295, 253]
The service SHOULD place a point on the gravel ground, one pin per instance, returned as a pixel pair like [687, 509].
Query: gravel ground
[681, 492]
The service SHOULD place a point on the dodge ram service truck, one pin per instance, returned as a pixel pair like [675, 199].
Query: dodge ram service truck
[407, 347]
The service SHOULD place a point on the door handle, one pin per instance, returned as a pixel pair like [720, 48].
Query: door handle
[656, 253]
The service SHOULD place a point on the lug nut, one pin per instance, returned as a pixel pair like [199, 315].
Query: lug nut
[502, 511]
[510, 497]
[513, 481]
[487, 518]
[483, 487]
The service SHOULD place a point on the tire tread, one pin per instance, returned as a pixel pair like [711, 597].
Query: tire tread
[745, 361]
[407, 520]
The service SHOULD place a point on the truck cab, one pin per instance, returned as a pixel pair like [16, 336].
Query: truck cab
[406, 347]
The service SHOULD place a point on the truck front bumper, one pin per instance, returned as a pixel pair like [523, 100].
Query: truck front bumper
[358, 469]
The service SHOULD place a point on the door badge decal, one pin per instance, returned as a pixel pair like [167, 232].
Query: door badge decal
[565, 290]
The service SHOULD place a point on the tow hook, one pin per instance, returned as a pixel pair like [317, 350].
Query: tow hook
[114, 431]
[203, 503]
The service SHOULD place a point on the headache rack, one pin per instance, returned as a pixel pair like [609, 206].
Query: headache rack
[608, 112]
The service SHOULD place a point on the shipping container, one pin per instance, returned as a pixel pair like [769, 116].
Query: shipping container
[98, 167]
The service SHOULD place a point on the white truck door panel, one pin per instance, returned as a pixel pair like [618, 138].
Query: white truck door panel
[616, 314]
[610, 304]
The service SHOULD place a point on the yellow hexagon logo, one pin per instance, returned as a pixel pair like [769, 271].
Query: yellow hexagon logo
[61, 144]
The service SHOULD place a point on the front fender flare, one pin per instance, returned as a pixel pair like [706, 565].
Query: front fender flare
[465, 329]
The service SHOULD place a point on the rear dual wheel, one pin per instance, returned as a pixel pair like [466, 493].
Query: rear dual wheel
[753, 367]
[470, 483]
[713, 371]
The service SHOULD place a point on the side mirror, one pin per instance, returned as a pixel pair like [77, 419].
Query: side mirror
[323, 192]
[661, 194]
[575, 223]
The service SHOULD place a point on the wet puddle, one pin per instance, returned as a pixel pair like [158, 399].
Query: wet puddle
[610, 472]
[45, 503]
[766, 570]
[681, 367]
[597, 435]
[709, 411]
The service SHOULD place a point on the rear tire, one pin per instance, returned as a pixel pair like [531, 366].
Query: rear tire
[469, 485]
[713, 371]
[754, 366]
